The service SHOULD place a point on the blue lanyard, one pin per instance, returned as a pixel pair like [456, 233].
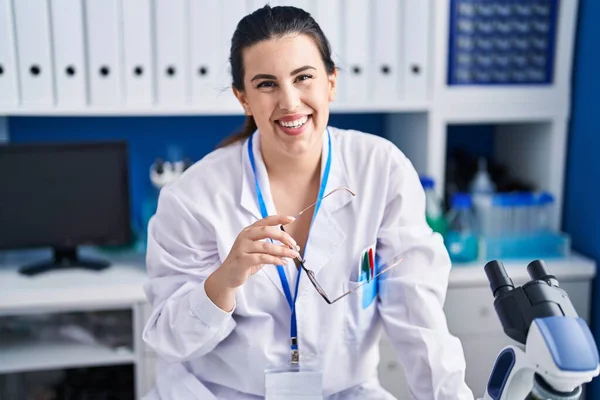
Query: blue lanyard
[280, 270]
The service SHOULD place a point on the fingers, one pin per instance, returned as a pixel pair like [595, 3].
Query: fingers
[261, 259]
[271, 232]
[272, 249]
[274, 220]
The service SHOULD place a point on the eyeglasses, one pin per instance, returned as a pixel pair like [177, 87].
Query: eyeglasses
[311, 274]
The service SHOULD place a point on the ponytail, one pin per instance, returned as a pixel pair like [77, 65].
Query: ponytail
[246, 132]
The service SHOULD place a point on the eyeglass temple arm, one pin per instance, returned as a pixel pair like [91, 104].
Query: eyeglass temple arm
[386, 269]
[328, 194]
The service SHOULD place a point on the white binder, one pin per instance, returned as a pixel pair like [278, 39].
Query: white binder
[416, 44]
[254, 5]
[310, 6]
[386, 51]
[328, 15]
[138, 71]
[9, 83]
[306, 5]
[356, 51]
[232, 11]
[68, 42]
[103, 49]
[32, 20]
[171, 18]
[205, 58]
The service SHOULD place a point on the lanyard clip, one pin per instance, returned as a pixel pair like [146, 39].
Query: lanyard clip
[295, 352]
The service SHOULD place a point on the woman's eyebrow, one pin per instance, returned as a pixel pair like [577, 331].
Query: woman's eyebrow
[298, 70]
[294, 72]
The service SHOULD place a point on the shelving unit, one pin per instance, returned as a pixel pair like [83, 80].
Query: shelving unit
[118, 288]
[30, 355]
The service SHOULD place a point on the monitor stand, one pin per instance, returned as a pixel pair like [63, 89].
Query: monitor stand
[64, 258]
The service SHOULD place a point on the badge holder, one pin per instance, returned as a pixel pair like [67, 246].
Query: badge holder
[294, 381]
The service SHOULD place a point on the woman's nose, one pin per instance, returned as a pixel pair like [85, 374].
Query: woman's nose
[289, 98]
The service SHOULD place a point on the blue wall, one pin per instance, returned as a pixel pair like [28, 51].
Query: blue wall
[152, 137]
[582, 197]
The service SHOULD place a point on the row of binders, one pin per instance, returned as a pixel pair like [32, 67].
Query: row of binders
[82, 54]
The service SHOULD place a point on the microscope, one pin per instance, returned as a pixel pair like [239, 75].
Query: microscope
[555, 353]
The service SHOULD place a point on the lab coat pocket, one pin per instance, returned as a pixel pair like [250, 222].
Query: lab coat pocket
[361, 310]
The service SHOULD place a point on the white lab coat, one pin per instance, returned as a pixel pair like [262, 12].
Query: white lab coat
[208, 353]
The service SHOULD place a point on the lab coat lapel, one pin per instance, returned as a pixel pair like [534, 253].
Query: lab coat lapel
[326, 236]
[249, 199]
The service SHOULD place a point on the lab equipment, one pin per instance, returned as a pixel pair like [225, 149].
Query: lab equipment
[517, 225]
[502, 42]
[433, 206]
[63, 196]
[555, 353]
[482, 182]
[516, 213]
[162, 172]
[461, 238]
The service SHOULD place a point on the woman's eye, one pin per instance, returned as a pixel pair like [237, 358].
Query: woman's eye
[304, 77]
[266, 84]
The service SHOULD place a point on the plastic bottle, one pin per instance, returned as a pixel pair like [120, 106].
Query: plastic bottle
[545, 202]
[461, 238]
[482, 191]
[433, 207]
[482, 182]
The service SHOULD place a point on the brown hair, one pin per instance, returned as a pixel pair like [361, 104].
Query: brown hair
[263, 24]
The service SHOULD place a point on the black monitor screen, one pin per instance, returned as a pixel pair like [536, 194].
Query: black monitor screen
[64, 195]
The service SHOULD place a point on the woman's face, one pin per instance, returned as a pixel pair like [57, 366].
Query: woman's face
[287, 90]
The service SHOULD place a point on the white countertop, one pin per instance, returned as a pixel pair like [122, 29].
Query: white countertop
[574, 267]
[122, 283]
[119, 285]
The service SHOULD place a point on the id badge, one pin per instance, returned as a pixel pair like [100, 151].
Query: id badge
[294, 383]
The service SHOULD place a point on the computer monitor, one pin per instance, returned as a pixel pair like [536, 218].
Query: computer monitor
[64, 195]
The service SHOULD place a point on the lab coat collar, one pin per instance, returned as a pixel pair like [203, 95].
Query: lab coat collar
[325, 235]
[248, 199]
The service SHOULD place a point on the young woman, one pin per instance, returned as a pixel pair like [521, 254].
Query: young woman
[245, 296]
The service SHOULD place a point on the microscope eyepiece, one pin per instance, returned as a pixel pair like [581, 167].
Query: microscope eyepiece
[538, 271]
[499, 280]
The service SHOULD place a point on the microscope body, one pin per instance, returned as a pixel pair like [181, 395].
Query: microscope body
[555, 352]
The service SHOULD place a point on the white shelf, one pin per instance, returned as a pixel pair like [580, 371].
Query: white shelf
[574, 267]
[119, 285]
[21, 356]
[201, 109]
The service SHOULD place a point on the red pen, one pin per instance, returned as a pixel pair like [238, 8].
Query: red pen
[371, 262]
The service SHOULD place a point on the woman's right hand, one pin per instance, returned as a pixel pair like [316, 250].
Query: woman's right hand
[250, 252]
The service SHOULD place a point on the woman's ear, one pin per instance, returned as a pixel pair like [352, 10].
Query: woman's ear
[241, 96]
[332, 84]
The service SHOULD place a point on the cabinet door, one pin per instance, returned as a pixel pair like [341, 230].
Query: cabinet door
[480, 354]
[391, 373]
[147, 365]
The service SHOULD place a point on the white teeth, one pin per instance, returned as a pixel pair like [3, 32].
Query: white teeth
[294, 124]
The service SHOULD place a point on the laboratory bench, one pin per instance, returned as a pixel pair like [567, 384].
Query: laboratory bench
[72, 294]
